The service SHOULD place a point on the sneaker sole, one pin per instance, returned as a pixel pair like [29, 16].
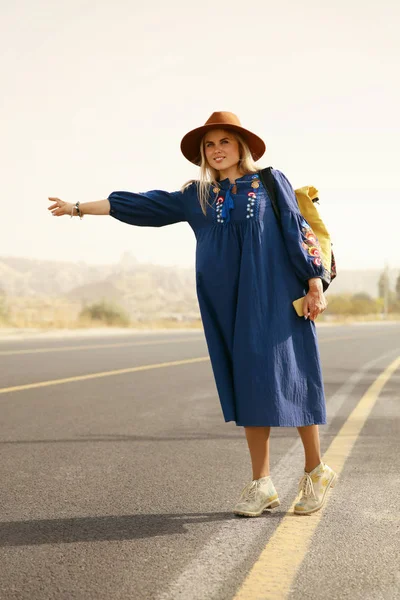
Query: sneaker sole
[272, 504]
[308, 512]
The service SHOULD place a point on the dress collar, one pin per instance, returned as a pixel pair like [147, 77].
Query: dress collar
[225, 183]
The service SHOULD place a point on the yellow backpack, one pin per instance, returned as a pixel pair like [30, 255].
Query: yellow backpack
[306, 198]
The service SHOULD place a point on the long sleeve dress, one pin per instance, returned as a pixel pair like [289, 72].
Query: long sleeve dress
[249, 269]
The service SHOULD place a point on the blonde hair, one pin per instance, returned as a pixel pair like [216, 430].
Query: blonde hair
[209, 176]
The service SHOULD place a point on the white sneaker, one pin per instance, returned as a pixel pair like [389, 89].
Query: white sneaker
[256, 497]
[314, 487]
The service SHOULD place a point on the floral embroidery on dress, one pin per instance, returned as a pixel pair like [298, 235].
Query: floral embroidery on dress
[252, 197]
[311, 243]
[219, 200]
[250, 205]
[218, 208]
[224, 204]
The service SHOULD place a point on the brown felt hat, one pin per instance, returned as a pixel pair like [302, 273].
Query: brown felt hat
[190, 144]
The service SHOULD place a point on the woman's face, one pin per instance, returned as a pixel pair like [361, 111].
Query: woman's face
[221, 149]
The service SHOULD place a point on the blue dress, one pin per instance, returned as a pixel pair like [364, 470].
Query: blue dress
[265, 358]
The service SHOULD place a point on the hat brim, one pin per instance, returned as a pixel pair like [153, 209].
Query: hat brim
[190, 143]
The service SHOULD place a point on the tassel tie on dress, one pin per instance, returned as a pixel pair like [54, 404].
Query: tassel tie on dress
[228, 205]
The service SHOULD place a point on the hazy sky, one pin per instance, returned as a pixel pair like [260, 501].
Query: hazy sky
[96, 97]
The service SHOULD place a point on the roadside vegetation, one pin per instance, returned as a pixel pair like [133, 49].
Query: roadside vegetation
[104, 312]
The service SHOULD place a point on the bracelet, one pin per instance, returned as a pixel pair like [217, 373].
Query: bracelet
[76, 205]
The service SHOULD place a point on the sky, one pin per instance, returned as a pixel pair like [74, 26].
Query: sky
[96, 97]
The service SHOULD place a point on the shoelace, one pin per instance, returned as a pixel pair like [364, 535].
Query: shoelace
[306, 486]
[250, 490]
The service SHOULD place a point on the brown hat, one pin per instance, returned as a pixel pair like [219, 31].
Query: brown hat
[190, 144]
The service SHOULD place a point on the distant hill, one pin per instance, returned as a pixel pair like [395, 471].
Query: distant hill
[141, 289]
[31, 277]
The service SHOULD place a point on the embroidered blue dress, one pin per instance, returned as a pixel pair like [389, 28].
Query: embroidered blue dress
[265, 358]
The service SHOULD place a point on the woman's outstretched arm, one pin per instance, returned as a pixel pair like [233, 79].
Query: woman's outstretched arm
[154, 208]
[98, 207]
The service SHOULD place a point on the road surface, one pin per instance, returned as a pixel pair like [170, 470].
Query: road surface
[118, 475]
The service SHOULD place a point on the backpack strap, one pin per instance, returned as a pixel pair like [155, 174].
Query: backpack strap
[268, 181]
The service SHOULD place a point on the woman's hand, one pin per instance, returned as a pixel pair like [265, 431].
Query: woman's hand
[60, 207]
[315, 301]
[98, 207]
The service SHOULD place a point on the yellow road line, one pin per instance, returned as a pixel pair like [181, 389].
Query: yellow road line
[109, 373]
[40, 384]
[96, 346]
[273, 574]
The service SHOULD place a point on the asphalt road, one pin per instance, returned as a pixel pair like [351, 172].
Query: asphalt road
[121, 485]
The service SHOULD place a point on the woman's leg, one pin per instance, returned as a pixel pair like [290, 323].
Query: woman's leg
[258, 442]
[310, 438]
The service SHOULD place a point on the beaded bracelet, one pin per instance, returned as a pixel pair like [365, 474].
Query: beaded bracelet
[76, 205]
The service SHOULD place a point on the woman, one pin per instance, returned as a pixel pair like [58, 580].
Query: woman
[249, 269]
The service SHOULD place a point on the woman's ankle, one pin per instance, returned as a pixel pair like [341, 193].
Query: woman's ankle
[310, 466]
[260, 475]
